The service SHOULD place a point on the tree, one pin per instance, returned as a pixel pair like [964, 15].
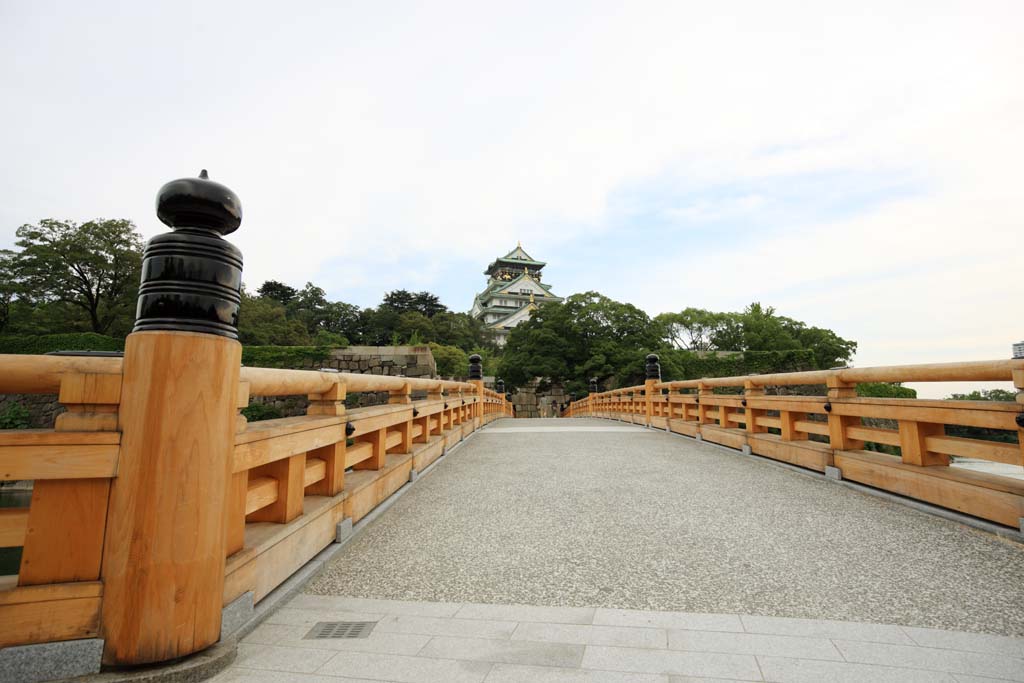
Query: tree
[263, 321]
[586, 335]
[403, 301]
[94, 267]
[451, 361]
[278, 291]
[8, 287]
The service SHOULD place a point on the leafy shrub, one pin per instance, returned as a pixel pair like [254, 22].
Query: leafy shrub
[45, 343]
[14, 416]
[283, 356]
[256, 412]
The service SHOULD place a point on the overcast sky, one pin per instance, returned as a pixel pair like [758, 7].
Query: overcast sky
[856, 165]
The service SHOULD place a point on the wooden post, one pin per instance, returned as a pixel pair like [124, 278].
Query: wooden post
[164, 548]
[913, 448]
[838, 424]
[238, 487]
[332, 402]
[1018, 383]
[750, 390]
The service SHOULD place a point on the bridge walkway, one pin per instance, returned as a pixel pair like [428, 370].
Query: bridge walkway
[585, 549]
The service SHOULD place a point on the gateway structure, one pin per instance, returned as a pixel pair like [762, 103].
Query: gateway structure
[514, 290]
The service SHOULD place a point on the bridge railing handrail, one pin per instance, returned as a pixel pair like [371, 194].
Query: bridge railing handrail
[903, 445]
[290, 472]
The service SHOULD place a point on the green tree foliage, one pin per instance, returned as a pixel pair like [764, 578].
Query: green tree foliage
[590, 335]
[885, 390]
[402, 301]
[1001, 435]
[451, 360]
[586, 335]
[263, 321]
[757, 328]
[278, 291]
[87, 274]
[14, 416]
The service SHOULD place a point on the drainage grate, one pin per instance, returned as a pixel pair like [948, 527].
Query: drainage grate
[340, 629]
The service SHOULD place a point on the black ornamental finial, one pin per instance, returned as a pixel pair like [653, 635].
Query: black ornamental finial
[652, 368]
[191, 277]
[476, 368]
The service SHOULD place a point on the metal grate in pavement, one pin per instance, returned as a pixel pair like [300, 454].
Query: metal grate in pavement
[340, 629]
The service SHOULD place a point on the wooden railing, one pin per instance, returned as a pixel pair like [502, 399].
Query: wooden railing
[834, 430]
[118, 476]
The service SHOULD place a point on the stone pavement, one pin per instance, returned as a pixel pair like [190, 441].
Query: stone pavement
[421, 642]
[587, 550]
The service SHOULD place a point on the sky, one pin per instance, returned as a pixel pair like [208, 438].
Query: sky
[853, 165]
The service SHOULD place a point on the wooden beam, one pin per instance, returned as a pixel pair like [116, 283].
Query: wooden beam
[13, 526]
[290, 474]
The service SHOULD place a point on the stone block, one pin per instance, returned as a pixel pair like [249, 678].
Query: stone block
[49, 661]
[235, 614]
[745, 449]
[833, 473]
[343, 530]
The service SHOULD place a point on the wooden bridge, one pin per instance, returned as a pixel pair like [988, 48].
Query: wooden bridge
[155, 506]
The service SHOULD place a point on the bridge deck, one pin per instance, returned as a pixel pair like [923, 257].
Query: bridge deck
[595, 514]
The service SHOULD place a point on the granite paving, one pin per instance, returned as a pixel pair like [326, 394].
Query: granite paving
[517, 644]
[661, 531]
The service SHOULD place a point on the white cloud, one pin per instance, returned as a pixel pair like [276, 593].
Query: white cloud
[367, 142]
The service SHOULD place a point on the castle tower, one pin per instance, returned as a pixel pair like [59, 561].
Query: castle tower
[514, 290]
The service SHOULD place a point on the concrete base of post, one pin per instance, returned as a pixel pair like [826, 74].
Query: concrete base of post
[50, 661]
[745, 449]
[343, 531]
[699, 437]
[236, 613]
[833, 473]
[413, 475]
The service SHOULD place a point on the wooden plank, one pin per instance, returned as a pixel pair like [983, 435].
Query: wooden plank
[273, 552]
[367, 493]
[49, 437]
[425, 454]
[290, 474]
[253, 454]
[992, 419]
[394, 438]
[1007, 453]
[733, 438]
[358, 453]
[66, 526]
[368, 420]
[809, 454]
[333, 481]
[51, 591]
[59, 461]
[47, 621]
[316, 470]
[13, 526]
[890, 437]
[768, 422]
[284, 426]
[378, 440]
[973, 493]
[808, 427]
[260, 492]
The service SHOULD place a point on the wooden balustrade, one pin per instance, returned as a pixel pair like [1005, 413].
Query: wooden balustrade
[833, 430]
[285, 486]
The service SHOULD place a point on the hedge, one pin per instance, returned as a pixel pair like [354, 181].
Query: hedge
[293, 357]
[45, 343]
